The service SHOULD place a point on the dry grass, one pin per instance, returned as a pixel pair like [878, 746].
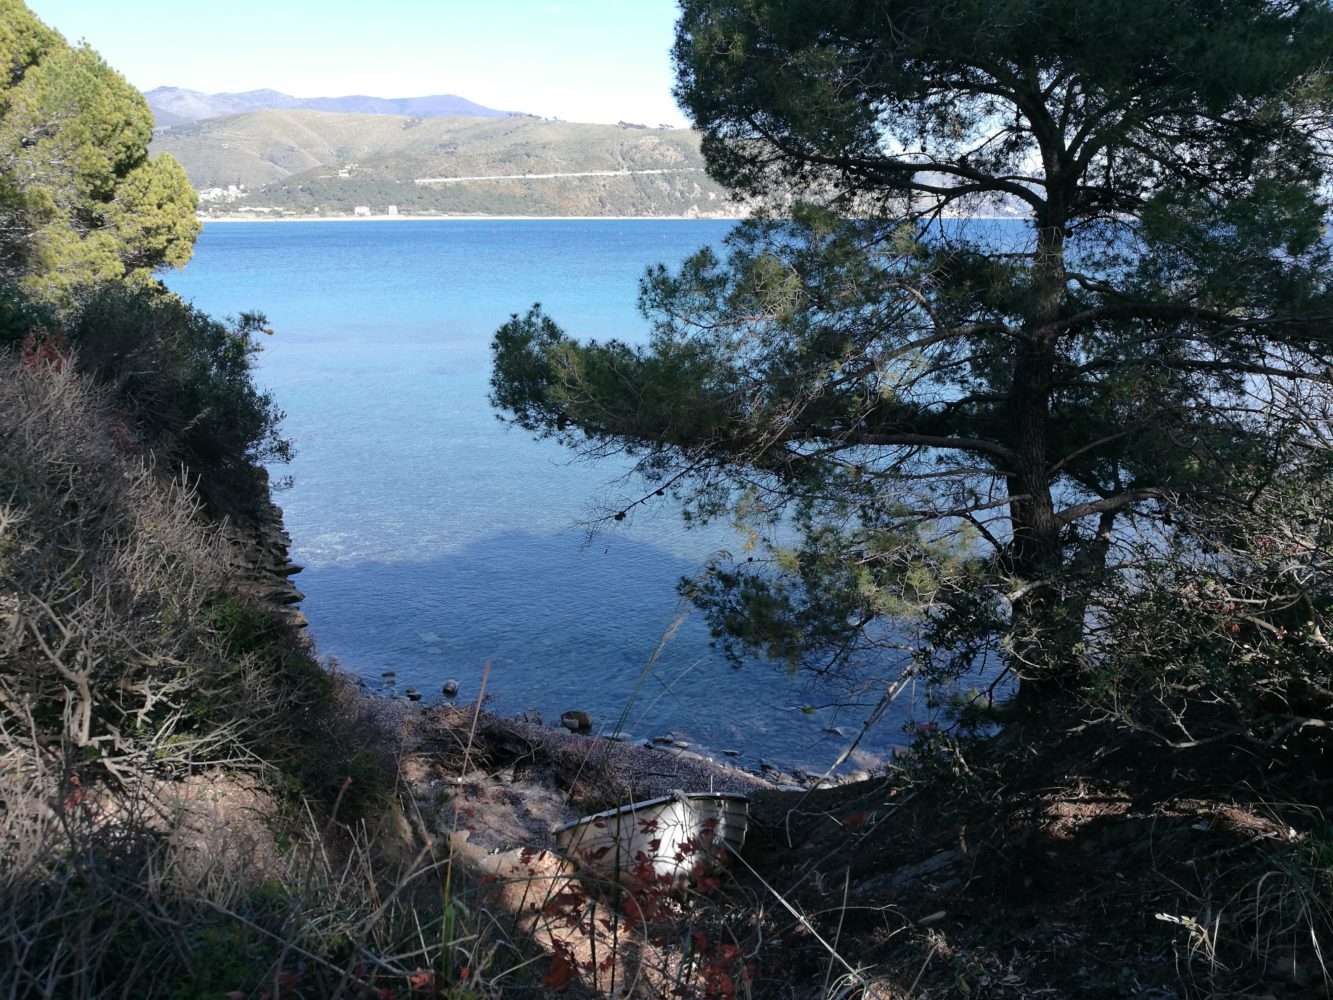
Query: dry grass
[175, 819]
[166, 747]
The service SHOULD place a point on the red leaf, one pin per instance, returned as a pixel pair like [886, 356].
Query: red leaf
[424, 979]
[562, 969]
[854, 822]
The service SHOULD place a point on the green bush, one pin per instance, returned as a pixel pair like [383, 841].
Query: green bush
[186, 380]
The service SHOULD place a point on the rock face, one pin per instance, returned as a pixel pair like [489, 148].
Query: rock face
[266, 565]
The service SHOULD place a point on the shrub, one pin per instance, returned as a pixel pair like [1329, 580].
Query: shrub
[187, 379]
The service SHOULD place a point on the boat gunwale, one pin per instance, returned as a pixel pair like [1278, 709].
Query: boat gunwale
[634, 807]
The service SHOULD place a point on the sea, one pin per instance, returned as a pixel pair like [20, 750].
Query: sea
[440, 543]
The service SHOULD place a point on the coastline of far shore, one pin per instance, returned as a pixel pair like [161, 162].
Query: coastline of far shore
[524, 218]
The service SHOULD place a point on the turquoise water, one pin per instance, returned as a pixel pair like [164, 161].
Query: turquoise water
[434, 538]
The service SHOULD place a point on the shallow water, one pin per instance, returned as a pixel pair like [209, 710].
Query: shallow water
[434, 538]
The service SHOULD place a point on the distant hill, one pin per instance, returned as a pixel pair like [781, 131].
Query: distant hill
[303, 162]
[175, 106]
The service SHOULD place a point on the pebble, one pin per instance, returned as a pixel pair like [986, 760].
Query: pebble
[449, 688]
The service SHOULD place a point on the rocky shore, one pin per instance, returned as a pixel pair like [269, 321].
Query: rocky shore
[266, 566]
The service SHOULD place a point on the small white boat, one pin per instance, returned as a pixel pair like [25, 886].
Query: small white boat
[664, 841]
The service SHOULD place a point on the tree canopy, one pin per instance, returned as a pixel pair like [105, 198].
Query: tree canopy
[1016, 432]
[80, 199]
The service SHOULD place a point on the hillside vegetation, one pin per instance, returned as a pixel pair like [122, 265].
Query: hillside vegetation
[80, 199]
[194, 807]
[310, 161]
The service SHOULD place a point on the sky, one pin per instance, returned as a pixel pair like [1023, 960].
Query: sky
[580, 60]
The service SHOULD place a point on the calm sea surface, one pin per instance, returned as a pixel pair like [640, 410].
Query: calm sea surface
[434, 538]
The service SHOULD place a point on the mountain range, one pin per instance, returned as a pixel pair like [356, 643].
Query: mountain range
[300, 162]
[176, 106]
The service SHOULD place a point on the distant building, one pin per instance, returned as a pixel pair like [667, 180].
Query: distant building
[393, 209]
[361, 210]
[230, 193]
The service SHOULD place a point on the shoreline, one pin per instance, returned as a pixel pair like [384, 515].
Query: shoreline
[246, 219]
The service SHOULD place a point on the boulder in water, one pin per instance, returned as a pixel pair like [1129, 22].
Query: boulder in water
[576, 722]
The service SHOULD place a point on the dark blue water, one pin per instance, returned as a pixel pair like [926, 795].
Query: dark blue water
[434, 537]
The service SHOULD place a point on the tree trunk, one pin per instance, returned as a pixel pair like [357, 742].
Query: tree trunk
[1040, 651]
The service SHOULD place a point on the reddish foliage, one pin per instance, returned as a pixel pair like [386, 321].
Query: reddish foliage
[718, 972]
[77, 795]
[426, 981]
[44, 349]
[567, 906]
[854, 822]
[124, 435]
[633, 914]
[563, 968]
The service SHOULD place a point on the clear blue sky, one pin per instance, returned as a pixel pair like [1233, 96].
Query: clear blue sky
[581, 60]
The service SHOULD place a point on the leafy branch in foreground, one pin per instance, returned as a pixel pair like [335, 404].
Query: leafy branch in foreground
[999, 430]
